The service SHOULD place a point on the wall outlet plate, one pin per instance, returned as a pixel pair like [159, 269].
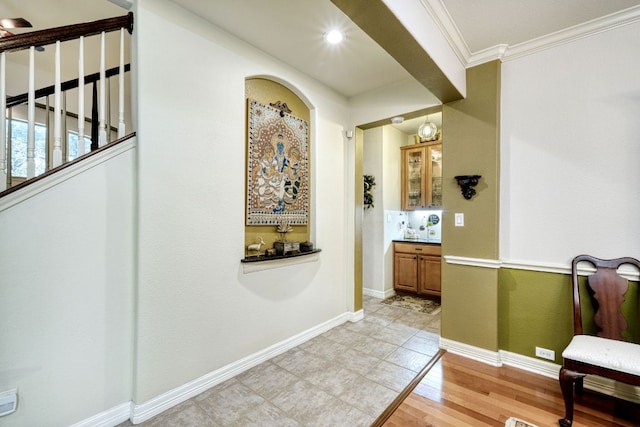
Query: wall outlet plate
[459, 219]
[545, 353]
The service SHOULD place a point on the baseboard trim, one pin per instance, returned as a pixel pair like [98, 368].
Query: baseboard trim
[109, 418]
[540, 367]
[471, 352]
[378, 294]
[526, 363]
[153, 407]
[356, 316]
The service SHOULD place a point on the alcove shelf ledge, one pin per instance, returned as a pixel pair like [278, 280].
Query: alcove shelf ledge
[261, 262]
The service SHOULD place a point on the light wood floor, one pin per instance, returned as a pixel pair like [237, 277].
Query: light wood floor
[459, 392]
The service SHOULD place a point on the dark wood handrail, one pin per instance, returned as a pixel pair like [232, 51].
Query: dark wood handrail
[69, 84]
[65, 33]
[63, 166]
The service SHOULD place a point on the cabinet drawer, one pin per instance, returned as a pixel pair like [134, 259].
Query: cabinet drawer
[417, 248]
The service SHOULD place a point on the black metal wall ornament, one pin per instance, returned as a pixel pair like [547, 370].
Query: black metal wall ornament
[466, 183]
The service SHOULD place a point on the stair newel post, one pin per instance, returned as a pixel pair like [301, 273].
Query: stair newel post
[31, 116]
[102, 134]
[121, 126]
[57, 97]
[3, 122]
[81, 97]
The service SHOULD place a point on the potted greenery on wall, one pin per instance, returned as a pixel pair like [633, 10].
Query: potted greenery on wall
[369, 183]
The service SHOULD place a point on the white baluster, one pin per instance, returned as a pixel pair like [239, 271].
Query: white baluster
[81, 97]
[102, 130]
[121, 126]
[3, 123]
[57, 97]
[31, 116]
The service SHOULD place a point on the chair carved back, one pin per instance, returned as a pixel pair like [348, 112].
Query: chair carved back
[608, 289]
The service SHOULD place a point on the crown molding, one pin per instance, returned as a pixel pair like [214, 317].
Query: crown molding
[504, 52]
[440, 15]
[568, 35]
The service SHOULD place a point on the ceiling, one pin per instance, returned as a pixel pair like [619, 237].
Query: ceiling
[292, 31]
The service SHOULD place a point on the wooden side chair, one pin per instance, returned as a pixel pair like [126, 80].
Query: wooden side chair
[608, 354]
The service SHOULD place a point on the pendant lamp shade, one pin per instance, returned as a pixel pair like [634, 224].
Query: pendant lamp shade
[427, 131]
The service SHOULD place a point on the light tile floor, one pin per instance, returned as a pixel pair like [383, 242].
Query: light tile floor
[344, 377]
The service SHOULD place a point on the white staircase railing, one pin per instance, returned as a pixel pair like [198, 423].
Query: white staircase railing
[57, 149]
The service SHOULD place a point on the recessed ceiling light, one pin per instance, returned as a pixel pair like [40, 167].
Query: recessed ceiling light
[333, 36]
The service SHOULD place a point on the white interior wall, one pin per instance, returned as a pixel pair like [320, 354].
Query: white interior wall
[197, 311]
[391, 189]
[381, 224]
[66, 269]
[394, 100]
[569, 142]
[373, 218]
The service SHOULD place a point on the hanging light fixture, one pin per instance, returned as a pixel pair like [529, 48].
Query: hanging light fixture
[427, 131]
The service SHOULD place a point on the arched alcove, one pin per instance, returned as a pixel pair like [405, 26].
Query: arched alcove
[275, 93]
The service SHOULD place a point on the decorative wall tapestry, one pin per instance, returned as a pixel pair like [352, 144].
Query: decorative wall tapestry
[277, 167]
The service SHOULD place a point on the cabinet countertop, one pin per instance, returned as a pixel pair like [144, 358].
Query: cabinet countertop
[422, 241]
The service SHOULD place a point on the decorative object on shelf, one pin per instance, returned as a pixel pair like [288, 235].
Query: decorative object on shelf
[428, 131]
[277, 165]
[284, 247]
[283, 228]
[369, 183]
[466, 183]
[306, 246]
[255, 247]
[270, 252]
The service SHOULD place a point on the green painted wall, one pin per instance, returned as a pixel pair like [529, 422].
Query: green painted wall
[471, 145]
[536, 309]
[470, 305]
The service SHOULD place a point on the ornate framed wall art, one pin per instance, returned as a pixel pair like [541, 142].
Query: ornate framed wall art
[277, 166]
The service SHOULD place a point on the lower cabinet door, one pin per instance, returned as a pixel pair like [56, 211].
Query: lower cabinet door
[429, 275]
[405, 272]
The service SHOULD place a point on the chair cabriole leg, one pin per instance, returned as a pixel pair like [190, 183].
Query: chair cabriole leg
[567, 380]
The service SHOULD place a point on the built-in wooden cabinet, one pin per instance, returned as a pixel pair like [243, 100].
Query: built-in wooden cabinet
[421, 176]
[416, 268]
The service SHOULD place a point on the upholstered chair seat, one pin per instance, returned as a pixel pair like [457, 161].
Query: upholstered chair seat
[610, 354]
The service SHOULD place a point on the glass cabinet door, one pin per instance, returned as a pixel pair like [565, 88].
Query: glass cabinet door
[435, 173]
[414, 178]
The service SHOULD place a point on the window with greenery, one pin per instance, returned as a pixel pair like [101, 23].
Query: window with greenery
[19, 135]
[72, 145]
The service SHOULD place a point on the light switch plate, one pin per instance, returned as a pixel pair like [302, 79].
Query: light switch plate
[459, 220]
